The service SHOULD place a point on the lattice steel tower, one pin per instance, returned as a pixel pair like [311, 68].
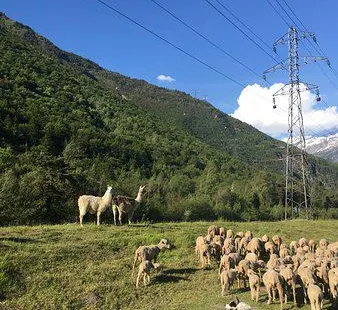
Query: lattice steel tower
[296, 172]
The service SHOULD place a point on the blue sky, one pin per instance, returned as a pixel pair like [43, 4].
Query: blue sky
[87, 28]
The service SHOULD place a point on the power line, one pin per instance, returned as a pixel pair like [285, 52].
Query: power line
[170, 43]
[243, 32]
[280, 15]
[208, 40]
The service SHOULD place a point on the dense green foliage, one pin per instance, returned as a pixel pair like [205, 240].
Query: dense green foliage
[66, 129]
[69, 267]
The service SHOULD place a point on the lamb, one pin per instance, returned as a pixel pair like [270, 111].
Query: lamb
[272, 281]
[200, 241]
[150, 252]
[128, 205]
[227, 278]
[315, 296]
[94, 204]
[144, 271]
[290, 280]
[254, 283]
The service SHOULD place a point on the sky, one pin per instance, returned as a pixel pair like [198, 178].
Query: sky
[92, 30]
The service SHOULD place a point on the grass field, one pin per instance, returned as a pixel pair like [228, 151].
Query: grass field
[68, 267]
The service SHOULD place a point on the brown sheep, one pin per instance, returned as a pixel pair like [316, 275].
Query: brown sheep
[274, 281]
[254, 283]
[227, 278]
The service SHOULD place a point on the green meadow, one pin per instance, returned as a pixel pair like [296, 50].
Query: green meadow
[69, 267]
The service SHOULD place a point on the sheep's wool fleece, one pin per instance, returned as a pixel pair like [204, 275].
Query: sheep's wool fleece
[240, 306]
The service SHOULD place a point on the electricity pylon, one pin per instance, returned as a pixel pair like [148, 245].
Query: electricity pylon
[296, 173]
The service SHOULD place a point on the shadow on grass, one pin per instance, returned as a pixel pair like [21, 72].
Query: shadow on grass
[180, 271]
[19, 240]
[164, 278]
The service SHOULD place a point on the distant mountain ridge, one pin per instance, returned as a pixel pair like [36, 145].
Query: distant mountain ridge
[325, 147]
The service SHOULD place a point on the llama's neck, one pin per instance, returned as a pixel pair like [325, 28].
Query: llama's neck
[107, 195]
[139, 196]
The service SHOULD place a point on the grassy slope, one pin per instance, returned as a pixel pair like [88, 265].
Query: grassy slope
[66, 267]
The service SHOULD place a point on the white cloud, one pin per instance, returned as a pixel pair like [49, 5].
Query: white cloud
[255, 108]
[165, 78]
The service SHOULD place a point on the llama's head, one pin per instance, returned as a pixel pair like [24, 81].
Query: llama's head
[109, 189]
[142, 187]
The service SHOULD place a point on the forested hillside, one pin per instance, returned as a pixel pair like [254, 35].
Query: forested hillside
[68, 127]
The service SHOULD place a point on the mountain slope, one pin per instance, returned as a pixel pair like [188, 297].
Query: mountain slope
[66, 130]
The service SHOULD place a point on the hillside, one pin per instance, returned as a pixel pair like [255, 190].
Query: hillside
[66, 267]
[68, 129]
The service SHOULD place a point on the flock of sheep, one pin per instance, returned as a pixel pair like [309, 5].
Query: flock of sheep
[244, 257]
[241, 256]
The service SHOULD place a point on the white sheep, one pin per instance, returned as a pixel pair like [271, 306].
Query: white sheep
[144, 271]
[94, 204]
[227, 278]
[315, 296]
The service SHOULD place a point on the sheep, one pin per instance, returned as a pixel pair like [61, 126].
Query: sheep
[213, 231]
[306, 275]
[273, 262]
[94, 204]
[302, 242]
[269, 247]
[222, 232]
[251, 257]
[230, 234]
[333, 282]
[242, 269]
[215, 251]
[144, 270]
[323, 244]
[227, 278]
[219, 240]
[283, 252]
[228, 245]
[200, 241]
[205, 254]
[277, 241]
[254, 246]
[238, 239]
[225, 263]
[235, 258]
[243, 244]
[293, 247]
[290, 280]
[254, 283]
[321, 273]
[312, 246]
[272, 281]
[236, 305]
[265, 238]
[128, 205]
[150, 252]
[315, 296]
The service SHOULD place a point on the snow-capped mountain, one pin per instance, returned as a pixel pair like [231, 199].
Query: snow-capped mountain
[325, 147]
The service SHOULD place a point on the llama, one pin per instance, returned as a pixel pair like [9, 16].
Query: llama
[127, 205]
[94, 204]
